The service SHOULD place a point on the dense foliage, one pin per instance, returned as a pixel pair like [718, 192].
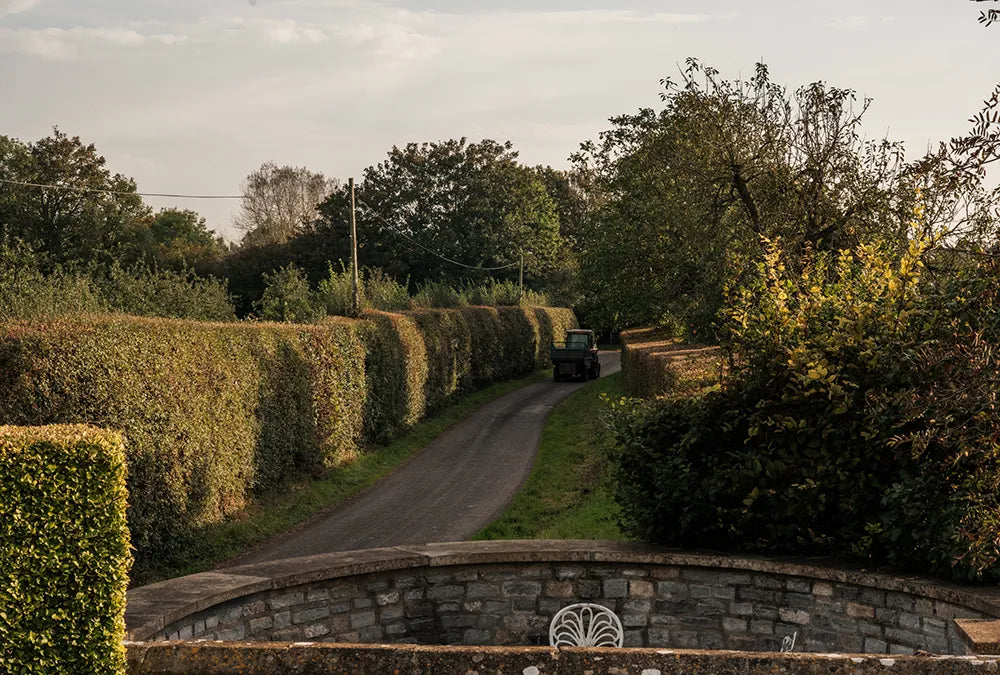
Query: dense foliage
[65, 550]
[218, 413]
[857, 418]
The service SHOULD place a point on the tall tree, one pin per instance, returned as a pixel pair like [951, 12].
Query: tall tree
[472, 203]
[279, 202]
[180, 239]
[687, 193]
[85, 215]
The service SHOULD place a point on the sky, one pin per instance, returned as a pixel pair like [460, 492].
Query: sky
[189, 96]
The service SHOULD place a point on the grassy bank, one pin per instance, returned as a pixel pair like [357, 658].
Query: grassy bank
[569, 492]
[293, 507]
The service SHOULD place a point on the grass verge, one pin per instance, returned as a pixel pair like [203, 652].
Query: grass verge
[273, 514]
[569, 494]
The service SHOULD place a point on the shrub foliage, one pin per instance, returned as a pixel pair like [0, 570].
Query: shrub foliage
[857, 418]
[65, 550]
[215, 414]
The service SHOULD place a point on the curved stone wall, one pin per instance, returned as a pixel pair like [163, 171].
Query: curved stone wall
[505, 593]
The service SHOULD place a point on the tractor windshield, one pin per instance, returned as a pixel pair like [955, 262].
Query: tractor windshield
[577, 341]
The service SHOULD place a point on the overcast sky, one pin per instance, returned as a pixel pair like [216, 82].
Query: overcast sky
[190, 95]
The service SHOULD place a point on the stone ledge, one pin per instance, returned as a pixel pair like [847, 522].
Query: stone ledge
[152, 607]
[981, 635]
[216, 658]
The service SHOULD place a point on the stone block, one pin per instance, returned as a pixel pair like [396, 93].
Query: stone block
[362, 619]
[858, 611]
[872, 596]
[476, 636]
[641, 588]
[797, 585]
[448, 608]
[564, 572]
[615, 588]
[395, 630]
[685, 639]
[314, 594]
[315, 630]
[477, 591]
[902, 601]
[370, 634]
[672, 590]
[340, 623]
[761, 627]
[406, 581]
[310, 615]
[487, 621]
[588, 589]
[773, 583]
[458, 621]
[387, 598]
[632, 638]
[734, 625]
[286, 599]
[908, 621]
[259, 625]
[823, 589]
[724, 592]
[658, 636]
[560, 589]
[525, 603]
[237, 632]
[414, 594]
[445, 592]
[521, 588]
[700, 591]
[904, 637]
[666, 573]
[361, 603]
[711, 640]
[390, 613]
[664, 620]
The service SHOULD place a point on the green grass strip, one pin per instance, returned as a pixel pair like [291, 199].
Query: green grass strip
[273, 514]
[569, 494]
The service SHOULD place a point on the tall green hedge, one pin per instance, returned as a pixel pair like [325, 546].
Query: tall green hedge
[64, 550]
[215, 414]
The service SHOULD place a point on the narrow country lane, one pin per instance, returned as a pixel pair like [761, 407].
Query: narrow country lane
[451, 489]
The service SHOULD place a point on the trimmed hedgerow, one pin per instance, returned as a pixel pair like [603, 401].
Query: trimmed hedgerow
[216, 414]
[396, 369]
[654, 363]
[213, 413]
[65, 550]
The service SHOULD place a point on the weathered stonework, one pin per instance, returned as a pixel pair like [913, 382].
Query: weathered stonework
[505, 593]
[207, 658]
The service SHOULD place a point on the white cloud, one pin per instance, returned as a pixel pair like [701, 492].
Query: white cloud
[62, 44]
[8, 7]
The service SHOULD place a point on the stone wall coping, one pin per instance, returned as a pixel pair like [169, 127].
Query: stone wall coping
[246, 658]
[151, 608]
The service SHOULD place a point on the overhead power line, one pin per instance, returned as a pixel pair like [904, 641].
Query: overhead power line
[72, 188]
[431, 251]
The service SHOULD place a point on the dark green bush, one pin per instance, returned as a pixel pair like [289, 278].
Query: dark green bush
[64, 546]
[858, 419]
[287, 297]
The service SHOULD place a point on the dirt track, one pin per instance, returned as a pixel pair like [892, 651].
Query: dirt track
[448, 491]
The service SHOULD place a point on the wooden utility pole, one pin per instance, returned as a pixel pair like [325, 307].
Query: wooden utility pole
[354, 253]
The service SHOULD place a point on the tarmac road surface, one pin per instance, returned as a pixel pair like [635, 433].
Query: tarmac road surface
[448, 491]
